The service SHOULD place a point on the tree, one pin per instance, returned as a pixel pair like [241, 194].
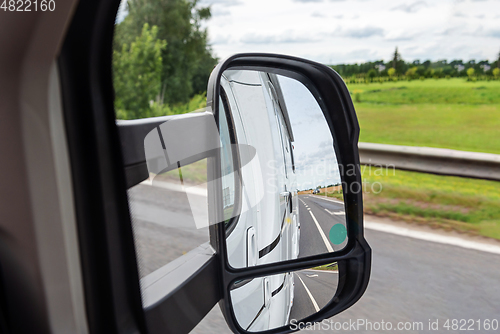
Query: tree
[470, 72]
[395, 59]
[187, 59]
[371, 74]
[391, 72]
[496, 72]
[137, 75]
[412, 72]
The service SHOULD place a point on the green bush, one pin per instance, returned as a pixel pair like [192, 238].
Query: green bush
[357, 97]
[496, 73]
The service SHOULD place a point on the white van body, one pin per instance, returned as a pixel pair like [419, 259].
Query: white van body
[269, 231]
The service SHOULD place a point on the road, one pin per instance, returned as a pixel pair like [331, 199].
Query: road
[327, 213]
[320, 284]
[412, 280]
[164, 227]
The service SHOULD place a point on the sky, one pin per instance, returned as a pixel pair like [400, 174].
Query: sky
[350, 31]
[314, 155]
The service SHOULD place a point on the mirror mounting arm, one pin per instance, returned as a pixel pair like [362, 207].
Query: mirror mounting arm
[161, 144]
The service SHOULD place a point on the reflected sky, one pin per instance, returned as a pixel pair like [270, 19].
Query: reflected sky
[315, 160]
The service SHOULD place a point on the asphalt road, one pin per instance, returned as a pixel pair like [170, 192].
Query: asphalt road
[412, 280]
[321, 286]
[327, 213]
[164, 227]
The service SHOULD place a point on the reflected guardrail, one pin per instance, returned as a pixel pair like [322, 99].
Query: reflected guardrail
[432, 160]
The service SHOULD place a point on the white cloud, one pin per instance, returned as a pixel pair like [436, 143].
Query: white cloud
[221, 39]
[217, 11]
[404, 36]
[411, 7]
[353, 31]
[226, 3]
[493, 33]
[363, 32]
[459, 14]
[286, 37]
[318, 14]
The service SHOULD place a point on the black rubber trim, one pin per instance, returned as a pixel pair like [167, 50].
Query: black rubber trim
[266, 250]
[275, 292]
[244, 83]
[239, 284]
[281, 101]
[258, 314]
[231, 224]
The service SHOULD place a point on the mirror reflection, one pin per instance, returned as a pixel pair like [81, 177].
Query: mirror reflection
[287, 202]
[270, 302]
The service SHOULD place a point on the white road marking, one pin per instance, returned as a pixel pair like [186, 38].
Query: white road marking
[323, 236]
[308, 209]
[312, 275]
[329, 199]
[324, 271]
[336, 213]
[432, 237]
[316, 307]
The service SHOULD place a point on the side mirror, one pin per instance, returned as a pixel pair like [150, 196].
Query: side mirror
[285, 197]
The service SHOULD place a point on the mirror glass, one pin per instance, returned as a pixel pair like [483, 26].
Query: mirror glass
[274, 301]
[284, 199]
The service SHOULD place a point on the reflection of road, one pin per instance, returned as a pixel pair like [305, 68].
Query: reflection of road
[411, 280]
[164, 227]
[313, 290]
[315, 227]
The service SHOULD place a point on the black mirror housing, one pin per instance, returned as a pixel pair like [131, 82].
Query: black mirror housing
[354, 260]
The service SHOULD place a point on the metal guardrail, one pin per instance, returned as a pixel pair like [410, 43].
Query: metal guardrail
[432, 160]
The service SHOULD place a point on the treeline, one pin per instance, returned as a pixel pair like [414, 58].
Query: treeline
[161, 58]
[397, 68]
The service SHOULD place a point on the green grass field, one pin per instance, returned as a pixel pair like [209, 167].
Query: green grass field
[447, 202]
[452, 203]
[446, 113]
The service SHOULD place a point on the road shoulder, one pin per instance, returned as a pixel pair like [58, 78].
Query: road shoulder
[427, 233]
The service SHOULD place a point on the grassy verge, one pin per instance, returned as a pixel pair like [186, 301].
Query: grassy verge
[442, 113]
[454, 91]
[447, 202]
[331, 266]
[460, 127]
[195, 173]
[335, 195]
